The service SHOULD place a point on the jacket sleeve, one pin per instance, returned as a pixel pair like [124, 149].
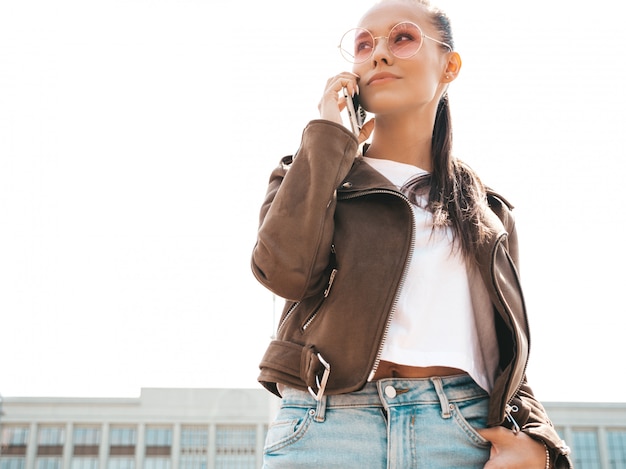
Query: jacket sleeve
[526, 410]
[295, 234]
[531, 416]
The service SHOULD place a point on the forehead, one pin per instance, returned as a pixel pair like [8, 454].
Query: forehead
[384, 15]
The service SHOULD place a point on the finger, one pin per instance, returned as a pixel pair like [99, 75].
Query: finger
[343, 80]
[366, 130]
[342, 103]
[333, 102]
[494, 434]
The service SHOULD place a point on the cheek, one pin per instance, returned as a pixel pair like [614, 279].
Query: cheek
[358, 69]
[425, 80]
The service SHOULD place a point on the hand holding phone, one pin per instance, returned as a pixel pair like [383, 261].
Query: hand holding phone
[356, 113]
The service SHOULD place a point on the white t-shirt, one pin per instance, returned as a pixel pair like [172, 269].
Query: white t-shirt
[433, 323]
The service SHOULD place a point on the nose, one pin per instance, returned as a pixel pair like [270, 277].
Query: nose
[381, 52]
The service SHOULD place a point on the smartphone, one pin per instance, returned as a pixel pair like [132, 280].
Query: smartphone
[356, 113]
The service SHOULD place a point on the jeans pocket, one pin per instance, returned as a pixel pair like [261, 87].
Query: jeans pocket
[289, 426]
[471, 416]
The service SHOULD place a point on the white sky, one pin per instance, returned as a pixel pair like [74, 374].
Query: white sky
[137, 136]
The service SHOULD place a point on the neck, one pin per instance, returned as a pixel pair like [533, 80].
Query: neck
[400, 139]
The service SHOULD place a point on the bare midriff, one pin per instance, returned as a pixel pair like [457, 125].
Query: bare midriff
[393, 370]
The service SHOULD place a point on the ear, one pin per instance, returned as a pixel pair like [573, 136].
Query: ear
[453, 67]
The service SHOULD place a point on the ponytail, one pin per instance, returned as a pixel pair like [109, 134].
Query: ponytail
[456, 196]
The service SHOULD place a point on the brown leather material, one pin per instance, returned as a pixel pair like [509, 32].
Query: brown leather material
[334, 238]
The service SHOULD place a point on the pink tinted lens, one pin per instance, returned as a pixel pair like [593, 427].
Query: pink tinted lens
[405, 39]
[356, 45]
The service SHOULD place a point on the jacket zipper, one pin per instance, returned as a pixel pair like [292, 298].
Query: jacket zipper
[508, 407]
[290, 313]
[317, 309]
[287, 316]
[400, 285]
[308, 322]
[404, 270]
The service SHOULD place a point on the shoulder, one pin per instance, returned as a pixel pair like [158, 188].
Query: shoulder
[494, 198]
[501, 207]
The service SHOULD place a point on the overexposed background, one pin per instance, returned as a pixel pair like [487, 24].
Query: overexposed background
[137, 137]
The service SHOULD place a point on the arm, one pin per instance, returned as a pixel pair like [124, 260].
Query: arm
[527, 448]
[296, 223]
[296, 228]
[534, 422]
[536, 446]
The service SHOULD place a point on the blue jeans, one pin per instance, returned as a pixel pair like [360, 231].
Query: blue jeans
[389, 424]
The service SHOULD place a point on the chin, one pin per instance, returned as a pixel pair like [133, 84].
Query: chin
[382, 108]
[381, 102]
[378, 104]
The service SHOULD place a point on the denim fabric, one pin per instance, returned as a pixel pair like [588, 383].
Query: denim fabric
[392, 423]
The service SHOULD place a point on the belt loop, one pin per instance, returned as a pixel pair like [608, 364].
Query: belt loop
[443, 399]
[320, 411]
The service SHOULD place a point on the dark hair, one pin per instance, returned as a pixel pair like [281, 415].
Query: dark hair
[456, 196]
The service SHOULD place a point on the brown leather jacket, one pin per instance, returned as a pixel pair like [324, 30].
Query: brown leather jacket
[333, 241]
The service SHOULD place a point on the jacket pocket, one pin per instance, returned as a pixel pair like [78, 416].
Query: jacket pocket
[315, 311]
[313, 314]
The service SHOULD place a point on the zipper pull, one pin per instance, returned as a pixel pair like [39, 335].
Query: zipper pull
[330, 283]
[508, 409]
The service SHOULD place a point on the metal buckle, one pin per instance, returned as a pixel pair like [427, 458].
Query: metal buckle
[321, 386]
[515, 427]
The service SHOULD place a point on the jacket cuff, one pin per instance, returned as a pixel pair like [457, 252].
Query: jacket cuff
[557, 449]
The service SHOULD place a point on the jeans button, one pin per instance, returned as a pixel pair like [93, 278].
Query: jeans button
[390, 392]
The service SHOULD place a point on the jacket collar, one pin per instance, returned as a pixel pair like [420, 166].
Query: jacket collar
[362, 177]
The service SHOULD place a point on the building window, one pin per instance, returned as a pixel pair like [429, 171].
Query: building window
[50, 446]
[192, 437]
[193, 447]
[586, 451]
[84, 463]
[51, 436]
[14, 436]
[157, 463]
[86, 443]
[13, 442]
[193, 461]
[616, 440]
[158, 437]
[235, 447]
[121, 463]
[12, 462]
[86, 436]
[158, 448]
[48, 463]
[123, 436]
[122, 442]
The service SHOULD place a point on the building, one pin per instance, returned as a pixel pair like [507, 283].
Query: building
[216, 429]
[596, 432]
[162, 429]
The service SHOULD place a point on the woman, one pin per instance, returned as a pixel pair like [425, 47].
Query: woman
[404, 340]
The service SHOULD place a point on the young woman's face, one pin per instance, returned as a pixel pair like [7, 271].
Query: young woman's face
[390, 84]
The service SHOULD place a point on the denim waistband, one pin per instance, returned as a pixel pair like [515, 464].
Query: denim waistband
[391, 392]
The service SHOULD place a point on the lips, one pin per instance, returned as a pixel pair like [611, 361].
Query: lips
[382, 78]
